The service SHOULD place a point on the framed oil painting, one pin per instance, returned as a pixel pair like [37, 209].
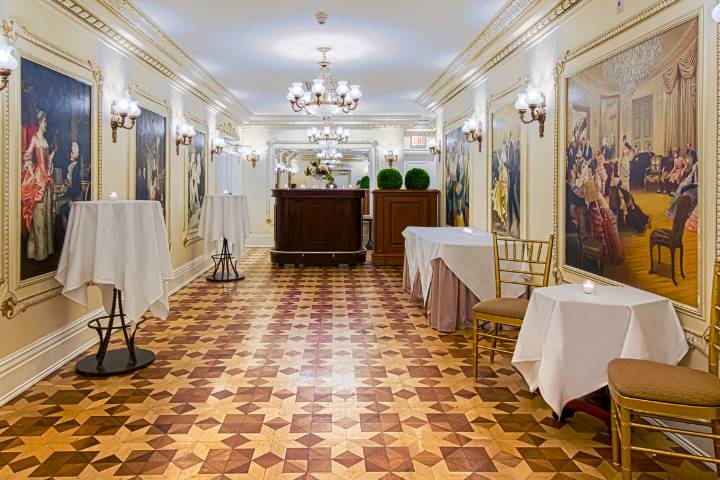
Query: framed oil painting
[632, 174]
[507, 154]
[55, 163]
[457, 179]
[195, 183]
[150, 158]
[51, 161]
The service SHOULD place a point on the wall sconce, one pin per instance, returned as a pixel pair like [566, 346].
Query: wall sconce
[183, 135]
[716, 13]
[121, 110]
[8, 62]
[218, 144]
[253, 157]
[434, 146]
[472, 128]
[533, 101]
[390, 157]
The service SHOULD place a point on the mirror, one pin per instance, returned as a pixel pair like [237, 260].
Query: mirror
[347, 168]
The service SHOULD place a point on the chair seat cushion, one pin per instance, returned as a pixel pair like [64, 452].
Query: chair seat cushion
[647, 380]
[503, 307]
[661, 234]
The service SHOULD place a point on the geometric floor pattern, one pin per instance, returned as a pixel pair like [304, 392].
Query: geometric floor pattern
[304, 373]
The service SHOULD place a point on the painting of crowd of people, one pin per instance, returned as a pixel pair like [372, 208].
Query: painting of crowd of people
[457, 180]
[196, 172]
[505, 172]
[632, 168]
[150, 160]
[55, 162]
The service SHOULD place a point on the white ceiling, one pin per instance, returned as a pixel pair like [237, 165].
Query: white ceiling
[393, 48]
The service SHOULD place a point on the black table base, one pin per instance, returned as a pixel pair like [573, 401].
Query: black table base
[114, 362]
[225, 266]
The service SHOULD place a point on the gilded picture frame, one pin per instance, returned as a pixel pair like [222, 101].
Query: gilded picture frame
[503, 103]
[17, 295]
[590, 55]
[161, 107]
[201, 128]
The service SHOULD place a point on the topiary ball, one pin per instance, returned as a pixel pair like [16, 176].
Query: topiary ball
[389, 179]
[364, 182]
[417, 179]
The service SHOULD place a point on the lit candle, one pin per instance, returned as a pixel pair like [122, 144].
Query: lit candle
[588, 286]
[113, 196]
[225, 192]
[467, 230]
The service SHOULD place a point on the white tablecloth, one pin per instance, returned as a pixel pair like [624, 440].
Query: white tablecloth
[569, 337]
[117, 244]
[468, 255]
[225, 216]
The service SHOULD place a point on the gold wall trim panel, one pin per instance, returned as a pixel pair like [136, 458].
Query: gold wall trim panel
[134, 20]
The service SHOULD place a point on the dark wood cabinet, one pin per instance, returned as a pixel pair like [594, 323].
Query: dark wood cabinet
[318, 226]
[394, 211]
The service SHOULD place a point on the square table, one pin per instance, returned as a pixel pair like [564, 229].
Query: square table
[568, 337]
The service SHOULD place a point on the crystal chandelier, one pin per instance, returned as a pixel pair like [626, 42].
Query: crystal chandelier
[328, 135]
[628, 69]
[330, 156]
[324, 97]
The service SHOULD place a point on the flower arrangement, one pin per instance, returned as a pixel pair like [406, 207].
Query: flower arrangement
[319, 171]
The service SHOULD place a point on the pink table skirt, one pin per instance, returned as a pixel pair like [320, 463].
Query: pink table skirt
[450, 302]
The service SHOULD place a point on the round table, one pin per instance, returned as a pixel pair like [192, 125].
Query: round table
[568, 337]
[225, 219]
[122, 248]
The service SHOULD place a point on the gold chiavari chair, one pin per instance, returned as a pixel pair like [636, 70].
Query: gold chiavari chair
[517, 262]
[666, 392]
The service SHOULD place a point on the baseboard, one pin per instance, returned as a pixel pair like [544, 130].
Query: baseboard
[260, 241]
[24, 368]
[686, 442]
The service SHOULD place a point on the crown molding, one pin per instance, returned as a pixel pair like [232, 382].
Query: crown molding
[470, 74]
[506, 18]
[121, 24]
[359, 122]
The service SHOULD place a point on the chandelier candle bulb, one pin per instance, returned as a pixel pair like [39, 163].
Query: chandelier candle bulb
[588, 287]
[113, 196]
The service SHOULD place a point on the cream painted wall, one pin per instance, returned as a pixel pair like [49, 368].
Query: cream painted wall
[119, 70]
[537, 62]
[256, 182]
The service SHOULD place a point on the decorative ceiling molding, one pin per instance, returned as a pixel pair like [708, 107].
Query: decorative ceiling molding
[124, 21]
[507, 17]
[473, 76]
[361, 122]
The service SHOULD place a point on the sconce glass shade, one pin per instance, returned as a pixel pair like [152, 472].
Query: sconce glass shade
[534, 97]
[7, 57]
[219, 143]
[521, 103]
[432, 143]
[186, 130]
[471, 125]
[716, 13]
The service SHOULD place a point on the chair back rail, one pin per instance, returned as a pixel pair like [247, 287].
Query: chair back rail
[521, 262]
[714, 332]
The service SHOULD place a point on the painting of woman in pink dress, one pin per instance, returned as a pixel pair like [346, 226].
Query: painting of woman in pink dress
[54, 163]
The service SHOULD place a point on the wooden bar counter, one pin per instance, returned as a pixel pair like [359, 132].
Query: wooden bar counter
[318, 226]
